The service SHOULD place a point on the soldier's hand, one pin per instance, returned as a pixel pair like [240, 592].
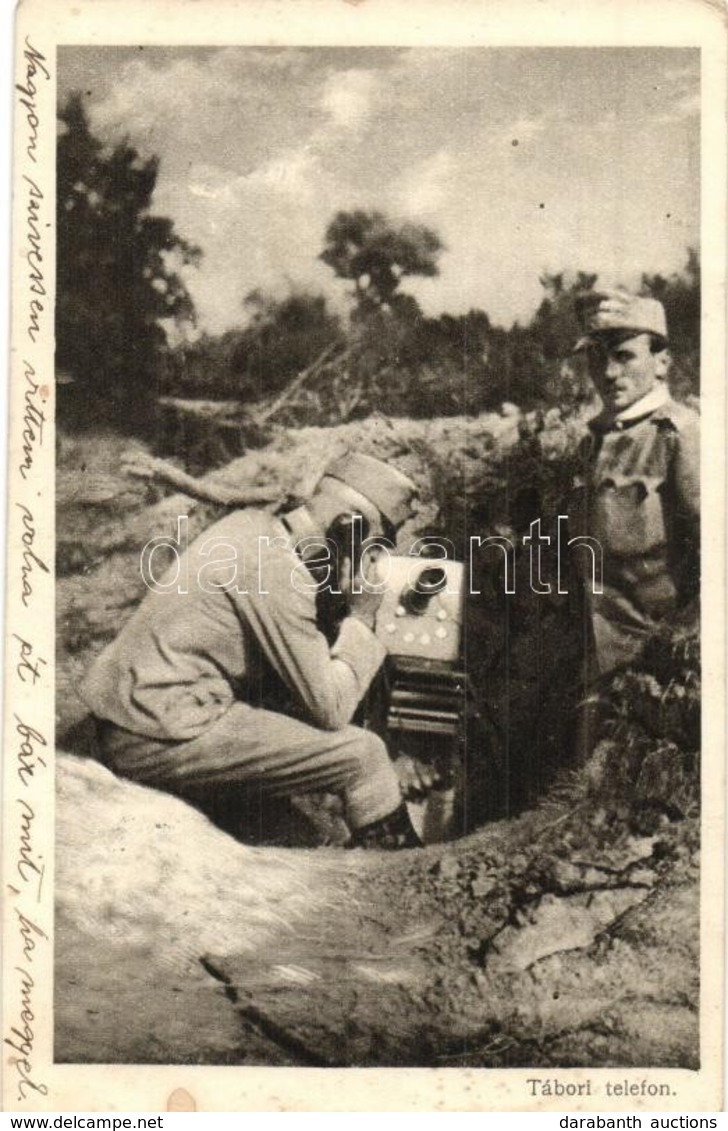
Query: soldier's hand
[416, 778]
[367, 592]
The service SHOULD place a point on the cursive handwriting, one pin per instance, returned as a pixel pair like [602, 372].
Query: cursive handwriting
[30, 558]
[28, 758]
[34, 63]
[30, 744]
[33, 420]
[29, 866]
[22, 1035]
[26, 671]
[29, 932]
[34, 256]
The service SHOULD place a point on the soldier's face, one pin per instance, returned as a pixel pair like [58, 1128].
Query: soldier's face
[625, 371]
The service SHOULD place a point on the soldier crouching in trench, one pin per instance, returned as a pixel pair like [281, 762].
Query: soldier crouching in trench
[213, 684]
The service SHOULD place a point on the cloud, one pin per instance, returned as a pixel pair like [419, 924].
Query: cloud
[348, 95]
[683, 72]
[524, 129]
[248, 105]
[425, 188]
[149, 103]
[260, 147]
[292, 174]
[688, 105]
[211, 183]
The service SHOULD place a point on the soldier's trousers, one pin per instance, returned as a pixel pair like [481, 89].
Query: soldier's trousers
[276, 754]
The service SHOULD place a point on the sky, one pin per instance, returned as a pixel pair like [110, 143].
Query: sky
[522, 160]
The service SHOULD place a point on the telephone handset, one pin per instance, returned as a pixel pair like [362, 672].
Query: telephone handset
[344, 537]
[347, 533]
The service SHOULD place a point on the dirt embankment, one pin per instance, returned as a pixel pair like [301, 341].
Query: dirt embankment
[531, 942]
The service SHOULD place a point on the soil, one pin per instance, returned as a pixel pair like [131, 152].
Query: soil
[528, 943]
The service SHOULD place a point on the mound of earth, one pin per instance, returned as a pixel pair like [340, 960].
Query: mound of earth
[527, 943]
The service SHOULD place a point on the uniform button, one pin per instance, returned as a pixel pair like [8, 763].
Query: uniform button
[441, 614]
[425, 638]
[400, 611]
[391, 627]
[441, 633]
[409, 637]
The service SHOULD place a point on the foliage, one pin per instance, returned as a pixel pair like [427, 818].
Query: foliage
[396, 361]
[375, 255]
[407, 364]
[120, 280]
[282, 337]
[680, 295]
[202, 368]
[651, 753]
[118, 274]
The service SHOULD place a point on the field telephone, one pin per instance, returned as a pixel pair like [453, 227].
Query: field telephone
[420, 701]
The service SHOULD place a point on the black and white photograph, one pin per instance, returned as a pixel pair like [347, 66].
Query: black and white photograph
[375, 417]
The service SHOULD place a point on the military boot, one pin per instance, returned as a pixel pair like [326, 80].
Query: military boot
[390, 833]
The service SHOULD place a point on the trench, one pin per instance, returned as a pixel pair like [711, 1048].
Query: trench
[554, 928]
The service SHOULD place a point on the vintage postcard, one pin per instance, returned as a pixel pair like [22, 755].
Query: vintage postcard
[364, 657]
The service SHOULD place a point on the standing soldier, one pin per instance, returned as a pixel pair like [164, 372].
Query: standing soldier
[638, 483]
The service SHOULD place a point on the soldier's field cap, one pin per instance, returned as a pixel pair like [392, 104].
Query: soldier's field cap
[391, 492]
[621, 312]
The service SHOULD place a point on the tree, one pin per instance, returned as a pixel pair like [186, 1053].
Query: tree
[680, 295]
[368, 249]
[118, 273]
[283, 337]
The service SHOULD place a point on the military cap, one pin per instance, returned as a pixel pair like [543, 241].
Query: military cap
[621, 312]
[391, 492]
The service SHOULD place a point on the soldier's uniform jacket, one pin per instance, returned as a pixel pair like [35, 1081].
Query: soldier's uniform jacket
[241, 625]
[637, 491]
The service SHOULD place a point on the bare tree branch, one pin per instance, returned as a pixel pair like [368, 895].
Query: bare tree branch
[162, 471]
